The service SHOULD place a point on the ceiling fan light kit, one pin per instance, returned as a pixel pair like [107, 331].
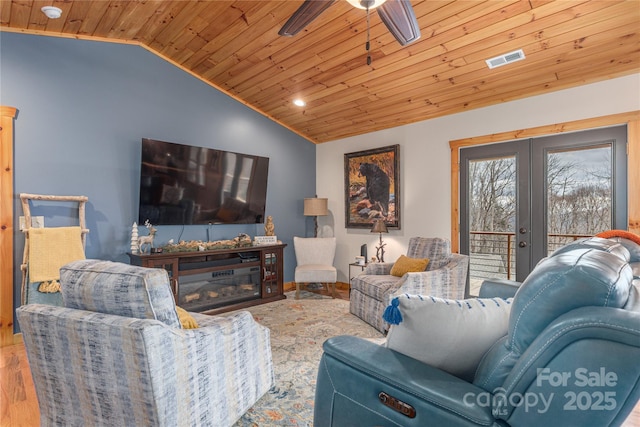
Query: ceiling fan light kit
[366, 4]
[397, 16]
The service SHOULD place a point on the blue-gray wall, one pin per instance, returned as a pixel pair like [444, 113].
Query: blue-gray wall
[83, 108]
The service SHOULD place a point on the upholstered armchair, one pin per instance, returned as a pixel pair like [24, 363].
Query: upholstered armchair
[314, 262]
[568, 354]
[117, 355]
[445, 276]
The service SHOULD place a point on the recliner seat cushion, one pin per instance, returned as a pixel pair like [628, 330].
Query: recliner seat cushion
[119, 289]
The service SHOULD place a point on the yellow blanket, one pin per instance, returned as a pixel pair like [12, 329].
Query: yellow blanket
[50, 249]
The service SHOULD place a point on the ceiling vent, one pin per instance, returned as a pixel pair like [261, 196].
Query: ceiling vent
[507, 58]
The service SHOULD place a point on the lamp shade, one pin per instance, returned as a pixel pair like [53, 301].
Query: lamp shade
[379, 227]
[315, 206]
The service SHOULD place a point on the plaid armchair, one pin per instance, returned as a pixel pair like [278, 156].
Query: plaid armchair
[444, 277]
[116, 354]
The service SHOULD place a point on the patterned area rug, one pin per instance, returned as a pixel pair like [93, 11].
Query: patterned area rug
[298, 329]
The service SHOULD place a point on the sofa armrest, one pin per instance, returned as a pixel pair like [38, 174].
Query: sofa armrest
[353, 372]
[498, 288]
[378, 268]
[447, 282]
[218, 321]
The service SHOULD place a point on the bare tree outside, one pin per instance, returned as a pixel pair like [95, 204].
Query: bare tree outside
[492, 215]
[492, 199]
[579, 193]
[579, 203]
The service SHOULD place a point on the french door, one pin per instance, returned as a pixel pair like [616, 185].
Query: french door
[523, 199]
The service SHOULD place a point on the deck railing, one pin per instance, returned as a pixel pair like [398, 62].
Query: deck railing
[493, 252]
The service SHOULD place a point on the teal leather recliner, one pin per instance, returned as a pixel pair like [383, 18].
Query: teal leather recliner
[571, 356]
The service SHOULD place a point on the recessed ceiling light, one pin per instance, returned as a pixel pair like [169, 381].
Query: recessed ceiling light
[299, 102]
[52, 12]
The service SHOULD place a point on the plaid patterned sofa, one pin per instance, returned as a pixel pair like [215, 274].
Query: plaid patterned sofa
[444, 277]
[116, 354]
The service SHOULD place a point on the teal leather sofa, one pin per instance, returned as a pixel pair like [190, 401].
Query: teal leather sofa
[570, 357]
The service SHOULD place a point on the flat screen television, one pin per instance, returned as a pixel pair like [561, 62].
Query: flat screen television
[183, 184]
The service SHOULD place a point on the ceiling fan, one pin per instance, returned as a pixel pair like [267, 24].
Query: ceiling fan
[397, 15]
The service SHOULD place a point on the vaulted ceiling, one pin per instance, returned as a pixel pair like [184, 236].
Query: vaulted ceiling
[235, 46]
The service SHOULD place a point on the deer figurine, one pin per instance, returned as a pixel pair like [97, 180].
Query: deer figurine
[147, 240]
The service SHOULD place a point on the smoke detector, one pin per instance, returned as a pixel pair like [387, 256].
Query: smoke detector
[507, 58]
[52, 12]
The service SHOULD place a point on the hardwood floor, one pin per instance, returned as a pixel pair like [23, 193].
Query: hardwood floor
[19, 405]
[342, 291]
[18, 402]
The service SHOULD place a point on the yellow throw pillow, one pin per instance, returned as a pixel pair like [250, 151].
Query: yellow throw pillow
[404, 264]
[186, 320]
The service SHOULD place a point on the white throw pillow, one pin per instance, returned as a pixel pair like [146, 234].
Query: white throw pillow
[451, 335]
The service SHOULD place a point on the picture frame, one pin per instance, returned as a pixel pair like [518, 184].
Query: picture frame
[372, 187]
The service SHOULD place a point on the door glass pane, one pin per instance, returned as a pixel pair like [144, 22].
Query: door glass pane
[492, 219]
[579, 194]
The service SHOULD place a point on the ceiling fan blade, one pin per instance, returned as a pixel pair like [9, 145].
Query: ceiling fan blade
[302, 17]
[400, 19]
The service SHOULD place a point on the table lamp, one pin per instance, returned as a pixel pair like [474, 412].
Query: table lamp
[315, 206]
[380, 227]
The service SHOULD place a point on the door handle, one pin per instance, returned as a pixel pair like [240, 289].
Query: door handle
[522, 230]
[522, 244]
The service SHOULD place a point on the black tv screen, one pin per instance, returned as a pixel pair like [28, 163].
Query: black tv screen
[183, 184]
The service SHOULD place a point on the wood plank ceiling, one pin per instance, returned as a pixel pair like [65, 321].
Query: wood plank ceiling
[234, 46]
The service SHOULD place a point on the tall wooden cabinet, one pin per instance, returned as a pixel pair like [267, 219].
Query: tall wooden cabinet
[221, 280]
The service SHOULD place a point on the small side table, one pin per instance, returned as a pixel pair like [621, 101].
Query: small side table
[355, 264]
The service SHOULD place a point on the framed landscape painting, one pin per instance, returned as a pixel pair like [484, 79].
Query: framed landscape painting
[372, 187]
